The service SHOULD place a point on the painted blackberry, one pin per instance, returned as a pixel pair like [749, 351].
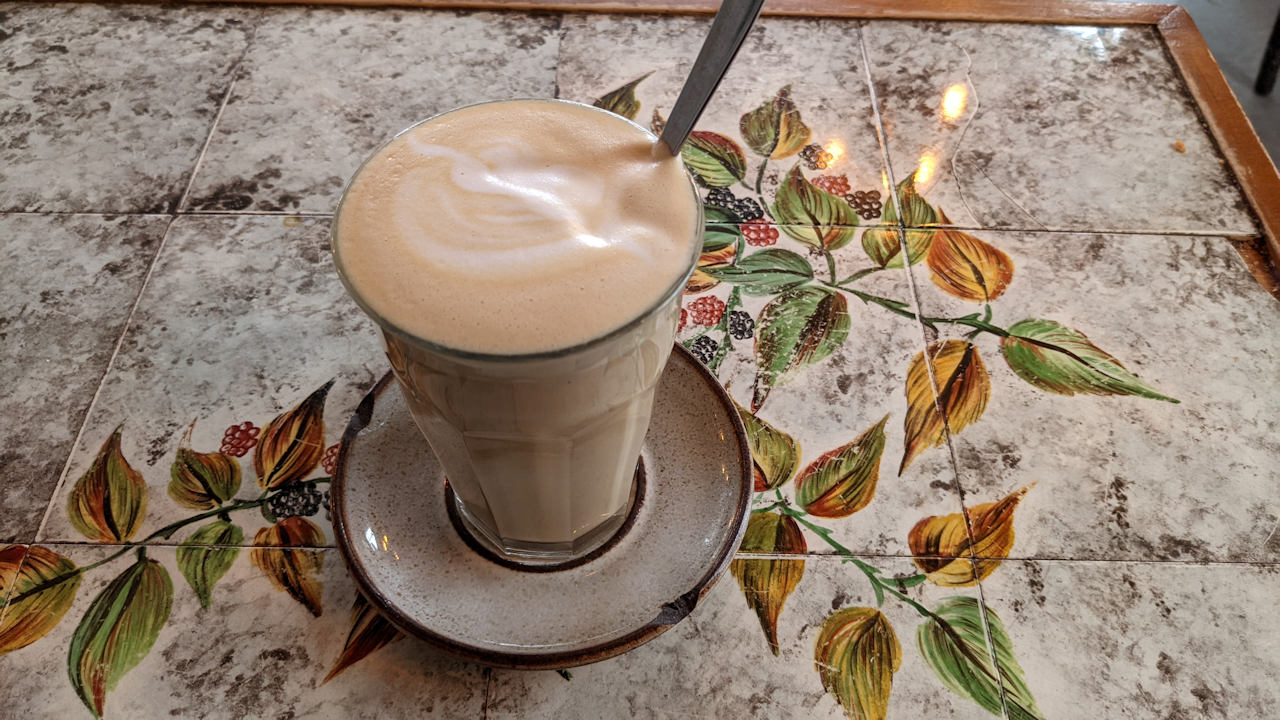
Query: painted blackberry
[815, 158]
[747, 209]
[866, 203]
[720, 197]
[299, 499]
[704, 348]
[741, 325]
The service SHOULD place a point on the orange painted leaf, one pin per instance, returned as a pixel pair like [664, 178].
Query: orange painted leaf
[109, 502]
[966, 267]
[843, 481]
[963, 389]
[42, 587]
[283, 553]
[946, 546]
[202, 481]
[856, 655]
[369, 632]
[292, 444]
[700, 281]
[774, 454]
[766, 583]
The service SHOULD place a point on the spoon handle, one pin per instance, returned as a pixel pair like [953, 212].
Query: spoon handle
[732, 23]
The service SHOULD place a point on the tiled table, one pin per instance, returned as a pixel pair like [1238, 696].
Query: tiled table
[166, 174]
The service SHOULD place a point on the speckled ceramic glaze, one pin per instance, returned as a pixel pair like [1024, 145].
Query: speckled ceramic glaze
[392, 526]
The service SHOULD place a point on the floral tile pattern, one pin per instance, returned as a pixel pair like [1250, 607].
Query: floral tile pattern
[250, 652]
[242, 319]
[321, 88]
[1119, 471]
[1144, 639]
[139, 80]
[70, 281]
[1047, 127]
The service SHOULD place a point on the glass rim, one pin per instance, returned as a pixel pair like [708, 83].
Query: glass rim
[388, 326]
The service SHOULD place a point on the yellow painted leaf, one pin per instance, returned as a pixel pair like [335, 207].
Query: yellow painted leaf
[856, 655]
[369, 632]
[966, 267]
[774, 129]
[292, 444]
[943, 546]
[109, 502]
[766, 583]
[622, 101]
[774, 454]
[283, 553]
[42, 587]
[202, 481]
[843, 481]
[963, 390]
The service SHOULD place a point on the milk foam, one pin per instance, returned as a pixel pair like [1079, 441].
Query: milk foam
[517, 227]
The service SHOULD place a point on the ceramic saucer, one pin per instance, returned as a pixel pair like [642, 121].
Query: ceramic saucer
[393, 527]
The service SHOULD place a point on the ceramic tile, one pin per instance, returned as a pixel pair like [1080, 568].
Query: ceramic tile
[1046, 127]
[321, 88]
[819, 63]
[830, 402]
[716, 663]
[10, 557]
[105, 108]
[1165, 640]
[70, 281]
[254, 652]
[242, 319]
[1123, 477]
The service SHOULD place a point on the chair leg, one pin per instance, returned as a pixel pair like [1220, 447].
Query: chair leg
[1270, 62]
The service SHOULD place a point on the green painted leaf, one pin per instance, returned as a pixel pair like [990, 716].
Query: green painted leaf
[774, 454]
[203, 565]
[118, 630]
[109, 502]
[202, 481]
[812, 215]
[797, 329]
[767, 583]
[766, 272]
[1056, 359]
[856, 655]
[882, 245]
[775, 130]
[954, 644]
[916, 211]
[715, 160]
[622, 101]
[843, 481]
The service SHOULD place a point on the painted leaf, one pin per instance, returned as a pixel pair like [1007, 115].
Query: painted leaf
[714, 160]
[207, 555]
[108, 502]
[656, 123]
[292, 444]
[1056, 359]
[766, 584]
[812, 215]
[202, 481]
[963, 388]
[856, 656]
[968, 268]
[118, 630]
[774, 129]
[943, 545]
[796, 329]
[38, 598]
[622, 101]
[369, 632]
[774, 454]
[954, 644]
[703, 277]
[843, 481]
[882, 246]
[766, 272]
[294, 567]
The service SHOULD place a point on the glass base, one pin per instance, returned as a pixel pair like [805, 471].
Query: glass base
[547, 556]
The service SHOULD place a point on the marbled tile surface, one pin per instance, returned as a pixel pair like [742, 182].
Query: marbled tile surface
[254, 652]
[820, 62]
[321, 88]
[1130, 477]
[1166, 640]
[242, 319]
[717, 664]
[106, 108]
[1048, 127]
[70, 281]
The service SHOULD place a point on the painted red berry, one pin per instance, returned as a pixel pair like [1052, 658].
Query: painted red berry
[759, 233]
[684, 318]
[706, 310]
[330, 460]
[837, 185]
[239, 439]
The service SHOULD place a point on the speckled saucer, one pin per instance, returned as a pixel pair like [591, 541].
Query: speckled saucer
[390, 519]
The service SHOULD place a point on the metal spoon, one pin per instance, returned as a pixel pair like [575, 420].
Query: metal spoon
[732, 23]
